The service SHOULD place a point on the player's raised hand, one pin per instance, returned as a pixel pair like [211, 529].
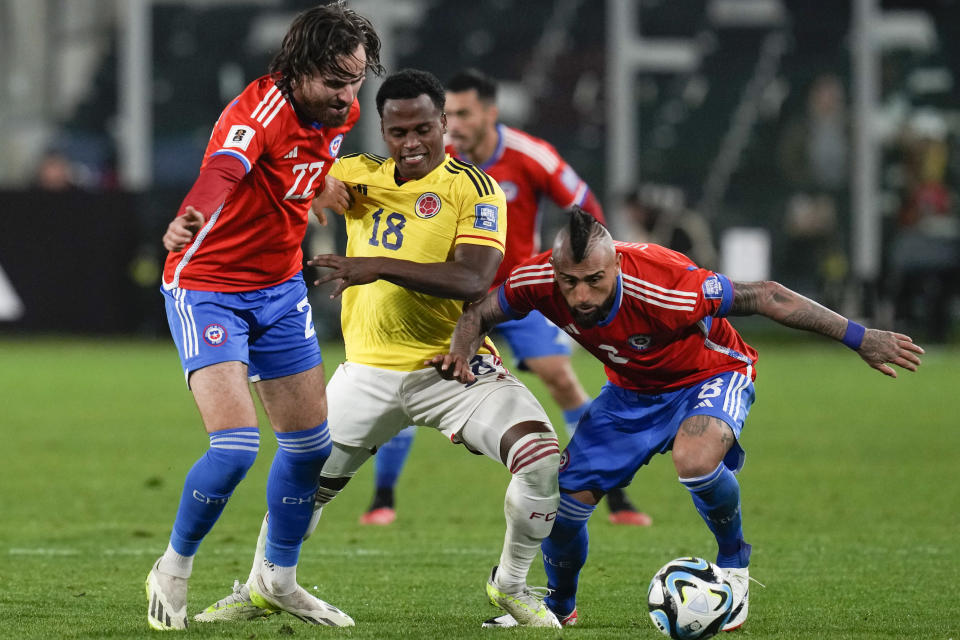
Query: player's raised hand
[880, 349]
[349, 271]
[181, 229]
[335, 196]
[452, 366]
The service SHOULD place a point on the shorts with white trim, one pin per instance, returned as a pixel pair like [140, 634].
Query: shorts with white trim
[270, 330]
[369, 405]
[622, 430]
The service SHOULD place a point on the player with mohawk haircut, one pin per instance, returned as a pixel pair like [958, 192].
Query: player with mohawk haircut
[680, 380]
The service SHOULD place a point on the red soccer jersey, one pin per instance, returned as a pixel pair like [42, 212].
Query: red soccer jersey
[527, 168]
[252, 240]
[666, 329]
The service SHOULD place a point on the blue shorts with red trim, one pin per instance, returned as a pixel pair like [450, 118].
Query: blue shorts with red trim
[622, 430]
[271, 330]
[533, 336]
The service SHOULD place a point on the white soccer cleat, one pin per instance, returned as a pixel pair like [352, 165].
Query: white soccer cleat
[506, 621]
[739, 580]
[236, 606]
[525, 606]
[299, 604]
[166, 600]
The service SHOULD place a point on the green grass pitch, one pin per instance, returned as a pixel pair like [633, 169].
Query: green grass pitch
[851, 499]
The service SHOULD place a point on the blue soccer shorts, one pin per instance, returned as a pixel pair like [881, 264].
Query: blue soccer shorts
[533, 336]
[271, 330]
[622, 430]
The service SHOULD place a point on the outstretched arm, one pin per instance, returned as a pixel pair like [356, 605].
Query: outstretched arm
[477, 320]
[466, 277]
[878, 348]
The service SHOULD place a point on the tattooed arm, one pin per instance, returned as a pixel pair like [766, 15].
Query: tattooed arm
[789, 308]
[477, 320]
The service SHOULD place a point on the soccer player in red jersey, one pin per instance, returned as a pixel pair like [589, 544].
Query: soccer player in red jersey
[237, 303]
[680, 380]
[528, 170]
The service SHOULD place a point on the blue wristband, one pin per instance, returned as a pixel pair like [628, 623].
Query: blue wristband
[853, 337]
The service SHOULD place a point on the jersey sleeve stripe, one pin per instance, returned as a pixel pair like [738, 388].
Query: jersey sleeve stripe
[277, 97]
[481, 177]
[487, 238]
[268, 96]
[475, 184]
[236, 154]
[274, 113]
[546, 268]
[542, 155]
[527, 280]
[486, 178]
[658, 303]
[656, 294]
[374, 158]
[649, 285]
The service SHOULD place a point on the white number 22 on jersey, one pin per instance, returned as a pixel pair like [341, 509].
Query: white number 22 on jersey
[301, 170]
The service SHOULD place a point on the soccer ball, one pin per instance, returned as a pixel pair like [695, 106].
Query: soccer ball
[689, 599]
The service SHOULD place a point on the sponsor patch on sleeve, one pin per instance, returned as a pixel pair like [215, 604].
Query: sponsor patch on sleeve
[239, 137]
[570, 179]
[485, 217]
[712, 288]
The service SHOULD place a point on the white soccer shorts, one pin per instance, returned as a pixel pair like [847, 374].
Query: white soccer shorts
[369, 405]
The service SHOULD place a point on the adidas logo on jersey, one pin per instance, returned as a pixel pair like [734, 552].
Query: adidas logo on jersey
[704, 403]
[291, 154]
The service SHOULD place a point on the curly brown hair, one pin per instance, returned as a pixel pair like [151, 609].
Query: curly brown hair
[316, 41]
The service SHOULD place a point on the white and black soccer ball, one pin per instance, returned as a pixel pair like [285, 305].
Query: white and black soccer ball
[689, 599]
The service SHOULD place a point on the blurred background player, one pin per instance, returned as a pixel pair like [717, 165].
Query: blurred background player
[680, 380]
[426, 233]
[527, 169]
[237, 303]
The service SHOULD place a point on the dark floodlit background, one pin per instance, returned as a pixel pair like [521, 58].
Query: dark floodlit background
[808, 142]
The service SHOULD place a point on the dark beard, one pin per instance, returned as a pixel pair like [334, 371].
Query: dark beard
[588, 320]
[330, 119]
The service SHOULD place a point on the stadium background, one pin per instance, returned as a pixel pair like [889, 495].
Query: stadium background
[699, 105]
[851, 491]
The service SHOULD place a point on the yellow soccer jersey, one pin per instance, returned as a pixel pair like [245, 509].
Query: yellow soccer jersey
[384, 324]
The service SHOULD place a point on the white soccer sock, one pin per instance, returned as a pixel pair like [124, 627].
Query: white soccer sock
[174, 564]
[260, 551]
[278, 580]
[530, 506]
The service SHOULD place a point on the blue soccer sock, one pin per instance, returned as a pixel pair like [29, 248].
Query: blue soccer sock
[209, 484]
[565, 552]
[291, 486]
[571, 417]
[391, 457]
[717, 498]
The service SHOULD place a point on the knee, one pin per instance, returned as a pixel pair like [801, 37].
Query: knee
[234, 452]
[692, 462]
[535, 460]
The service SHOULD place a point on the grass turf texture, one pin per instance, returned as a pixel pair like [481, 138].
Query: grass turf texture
[850, 499]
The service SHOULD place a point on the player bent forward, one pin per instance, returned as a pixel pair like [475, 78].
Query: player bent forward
[680, 380]
[417, 264]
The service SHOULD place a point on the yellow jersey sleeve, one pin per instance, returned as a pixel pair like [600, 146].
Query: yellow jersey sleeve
[483, 210]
